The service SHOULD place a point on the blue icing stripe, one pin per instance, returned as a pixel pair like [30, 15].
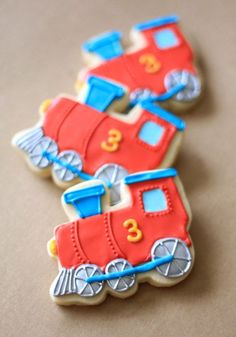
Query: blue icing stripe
[149, 96]
[107, 45]
[67, 165]
[133, 270]
[87, 201]
[167, 116]
[101, 93]
[151, 175]
[158, 22]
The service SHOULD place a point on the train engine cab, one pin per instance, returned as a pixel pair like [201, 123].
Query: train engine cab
[158, 66]
[75, 142]
[106, 249]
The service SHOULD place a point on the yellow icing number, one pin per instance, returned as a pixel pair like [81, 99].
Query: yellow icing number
[112, 142]
[151, 64]
[132, 226]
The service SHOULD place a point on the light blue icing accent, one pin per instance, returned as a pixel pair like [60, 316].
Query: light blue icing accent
[86, 201]
[166, 38]
[169, 94]
[101, 93]
[107, 45]
[151, 133]
[167, 116]
[154, 200]
[151, 175]
[158, 22]
[68, 166]
[151, 97]
[134, 270]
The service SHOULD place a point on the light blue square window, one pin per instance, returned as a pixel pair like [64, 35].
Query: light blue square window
[166, 38]
[154, 200]
[151, 133]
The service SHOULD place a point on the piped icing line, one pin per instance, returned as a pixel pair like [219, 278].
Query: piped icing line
[157, 22]
[134, 270]
[170, 118]
[151, 175]
[168, 94]
[162, 97]
[68, 166]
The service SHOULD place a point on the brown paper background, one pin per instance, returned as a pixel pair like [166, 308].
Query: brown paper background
[40, 57]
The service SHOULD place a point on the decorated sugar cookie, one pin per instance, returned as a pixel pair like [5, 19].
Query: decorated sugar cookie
[111, 249]
[158, 65]
[73, 142]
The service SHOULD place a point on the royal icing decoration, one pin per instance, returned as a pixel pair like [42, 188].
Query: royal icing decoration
[159, 62]
[135, 233]
[110, 249]
[76, 142]
[112, 143]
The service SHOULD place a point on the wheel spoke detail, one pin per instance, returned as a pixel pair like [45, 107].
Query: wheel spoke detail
[182, 260]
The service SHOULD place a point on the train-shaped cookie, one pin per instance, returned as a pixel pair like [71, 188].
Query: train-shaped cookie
[74, 142]
[110, 249]
[158, 65]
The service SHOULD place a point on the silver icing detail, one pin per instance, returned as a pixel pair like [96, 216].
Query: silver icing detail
[36, 154]
[73, 281]
[29, 139]
[181, 262]
[68, 157]
[64, 284]
[112, 174]
[192, 82]
[122, 283]
[140, 95]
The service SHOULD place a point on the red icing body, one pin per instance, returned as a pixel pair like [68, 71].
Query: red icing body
[127, 70]
[101, 238]
[78, 127]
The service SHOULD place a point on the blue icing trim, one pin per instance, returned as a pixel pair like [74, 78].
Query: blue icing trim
[68, 166]
[134, 270]
[158, 22]
[87, 201]
[151, 175]
[169, 94]
[166, 38]
[167, 116]
[107, 45]
[151, 133]
[154, 200]
[149, 96]
[101, 93]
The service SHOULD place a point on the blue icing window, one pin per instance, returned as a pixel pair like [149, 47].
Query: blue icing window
[151, 133]
[154, 200]
[166, 38]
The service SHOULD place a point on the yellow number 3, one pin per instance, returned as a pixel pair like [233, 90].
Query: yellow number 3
[132, 226]
[112, 142]
[151, 64]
